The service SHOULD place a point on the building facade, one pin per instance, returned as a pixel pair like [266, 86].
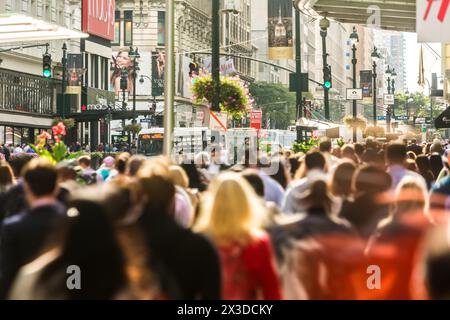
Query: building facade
[27, 100]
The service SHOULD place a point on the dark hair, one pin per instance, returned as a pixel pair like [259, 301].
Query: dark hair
[121, 162]
[18, 162]
[85, 160]
[40, 176]
[436, 164]
[134, 164]
[159, 194]
[318, 197]
[359, 149]
[253, 178]
[325, 145]
[281, 175]
[294, 164]
[341, 182]
[91, 244]
[371, 179]
[6, 174]
[315, 160]
[396, 153]
[414, 141]
[194, 176]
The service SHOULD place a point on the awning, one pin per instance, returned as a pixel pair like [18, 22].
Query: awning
[396, 15]
[443, 120]
[20, 28]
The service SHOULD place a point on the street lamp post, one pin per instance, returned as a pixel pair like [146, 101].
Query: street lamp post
[324, 25]
[298, 67]
[63, 83]
[134, 54]
[375, 58]
[388, 108]
[215, 54]
[354, 39]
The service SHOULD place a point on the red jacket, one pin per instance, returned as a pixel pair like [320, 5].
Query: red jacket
[248, 272]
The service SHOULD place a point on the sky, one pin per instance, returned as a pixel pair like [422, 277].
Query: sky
[432, 61]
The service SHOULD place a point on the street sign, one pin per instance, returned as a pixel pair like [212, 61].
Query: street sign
[381, 118]
[402, 118]
[354, 94]
[389, 99]
[432, 19]
[256, 119]
[145, 120]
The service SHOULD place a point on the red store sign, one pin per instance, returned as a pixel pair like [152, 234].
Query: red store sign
[256, 119]
[98, 18]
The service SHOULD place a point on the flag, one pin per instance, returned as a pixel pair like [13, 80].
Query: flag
[421, 81]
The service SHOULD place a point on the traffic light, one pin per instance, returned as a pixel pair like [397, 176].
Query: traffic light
[124, 79]
[327, 83]
[193, 69]
[47, 65]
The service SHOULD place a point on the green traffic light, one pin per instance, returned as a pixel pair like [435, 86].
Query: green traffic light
[327, 85]
[47, 73]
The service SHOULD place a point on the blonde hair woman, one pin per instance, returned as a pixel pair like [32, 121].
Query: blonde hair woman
[232, 218]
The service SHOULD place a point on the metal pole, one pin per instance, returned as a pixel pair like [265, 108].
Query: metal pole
[388, 110]
[355, 112]
[298, 69]
[169, 79]
[326, 99]
[134, 96]
[374, 94]
[215, 52]
[63, 83]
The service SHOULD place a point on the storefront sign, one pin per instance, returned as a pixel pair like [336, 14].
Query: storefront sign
[256, 119]
[99, 17]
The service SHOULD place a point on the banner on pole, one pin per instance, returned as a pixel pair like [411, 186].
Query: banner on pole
[280, 29]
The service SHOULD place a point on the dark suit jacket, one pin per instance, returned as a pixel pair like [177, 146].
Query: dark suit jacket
[23, 237]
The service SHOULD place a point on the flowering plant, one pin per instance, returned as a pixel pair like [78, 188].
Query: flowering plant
[234, 99]
[56, 151]
[306, 146]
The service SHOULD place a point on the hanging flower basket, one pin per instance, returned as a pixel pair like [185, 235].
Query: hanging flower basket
[69, 123]
[376, 132]
[358, 122]
[234, 96]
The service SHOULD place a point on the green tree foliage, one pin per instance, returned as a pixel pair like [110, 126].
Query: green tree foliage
[276, 102]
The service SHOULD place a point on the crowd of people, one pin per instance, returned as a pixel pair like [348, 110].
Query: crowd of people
[362, 221]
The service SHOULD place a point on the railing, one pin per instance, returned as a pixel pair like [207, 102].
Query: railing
[26, 93]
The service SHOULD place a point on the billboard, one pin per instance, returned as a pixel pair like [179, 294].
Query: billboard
[158, 71]
[121, 61]
[280, 29]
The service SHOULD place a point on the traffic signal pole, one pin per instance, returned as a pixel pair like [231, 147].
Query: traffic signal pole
[326, 73]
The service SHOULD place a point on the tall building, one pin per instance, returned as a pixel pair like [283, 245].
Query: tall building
[141, 24]
[395, 44]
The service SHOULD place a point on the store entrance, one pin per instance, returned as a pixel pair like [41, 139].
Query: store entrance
[12, 135]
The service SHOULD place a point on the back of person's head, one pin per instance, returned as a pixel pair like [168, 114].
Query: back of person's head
[134, 164]
[6, 174]
[315, 160]
[18, 162]
[341, 182]
[396, 154]
[40, 177]
[158, 195]
[84, 161]
[359, 149]
[325, 145]
[414, 141]
[179, 176]
[371, 179]
[281, 174]
[423, 163]
[318, 197]
[231, 214]
[254, 179]
[411, 196]
[121, 162]
[436, 164]
[155, 166]
[370, 156]
[437, 148]
[411, 155]
[89, 243]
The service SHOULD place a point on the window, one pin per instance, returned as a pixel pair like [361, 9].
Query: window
[161, 28]
[117, 29]
[128, 26]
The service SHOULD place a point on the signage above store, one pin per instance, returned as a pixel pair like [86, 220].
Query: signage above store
[99, 18]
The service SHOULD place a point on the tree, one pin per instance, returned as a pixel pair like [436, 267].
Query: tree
[276, 102]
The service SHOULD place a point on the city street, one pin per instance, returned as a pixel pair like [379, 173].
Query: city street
[242, 150]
